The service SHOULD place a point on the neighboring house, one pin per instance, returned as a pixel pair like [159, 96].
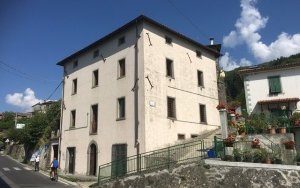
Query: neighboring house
[140, 88]
[272, 90]
[42, 106]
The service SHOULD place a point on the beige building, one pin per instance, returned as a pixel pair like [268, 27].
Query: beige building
[140, 88]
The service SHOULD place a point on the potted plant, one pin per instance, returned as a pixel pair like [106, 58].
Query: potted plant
[241, 128]
[237, 153]
[295, 119]
[255, 143]
[272, 125]
[257, 156]
[221, 105]
[266, 157]
[290, 144]
[247, 155]
[228, 142]
[258, 122]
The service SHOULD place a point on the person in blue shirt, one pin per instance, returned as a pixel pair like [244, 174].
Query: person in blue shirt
[54, 166]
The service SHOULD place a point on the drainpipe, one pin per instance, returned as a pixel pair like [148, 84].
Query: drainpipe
[136, 98]
[61, 118]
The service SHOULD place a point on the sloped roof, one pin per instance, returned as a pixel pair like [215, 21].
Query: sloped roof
[280, 100]
[254, 69]
[211, 49]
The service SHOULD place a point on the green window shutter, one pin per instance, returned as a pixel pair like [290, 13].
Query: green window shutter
[274, 84]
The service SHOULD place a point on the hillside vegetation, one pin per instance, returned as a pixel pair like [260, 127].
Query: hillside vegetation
[235, 84]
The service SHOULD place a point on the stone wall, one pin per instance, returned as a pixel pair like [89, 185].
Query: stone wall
[17, 152]
[211, 176]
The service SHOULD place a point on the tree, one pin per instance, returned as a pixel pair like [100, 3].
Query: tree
[53, 115]
[8, 121]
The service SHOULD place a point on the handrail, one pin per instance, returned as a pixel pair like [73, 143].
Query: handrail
[162, 158]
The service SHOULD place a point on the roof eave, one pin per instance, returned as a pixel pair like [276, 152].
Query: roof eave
[140, 18]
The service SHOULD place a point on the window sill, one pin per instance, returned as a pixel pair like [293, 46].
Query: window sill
[121, 77]
[121, 119]
[95, 86]
[74, 93]
[170, 77]
[172, 118]
[203, 122]
[91, 134]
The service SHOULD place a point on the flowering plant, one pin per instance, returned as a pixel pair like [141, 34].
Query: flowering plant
[255, 143]
[289, 144]
[221, 105]
[229, 141]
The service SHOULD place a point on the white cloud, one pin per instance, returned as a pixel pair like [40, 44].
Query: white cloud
[247, 27]
[23, 100]
[228, 63]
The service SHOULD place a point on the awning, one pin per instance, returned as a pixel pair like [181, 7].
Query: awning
[283, 100]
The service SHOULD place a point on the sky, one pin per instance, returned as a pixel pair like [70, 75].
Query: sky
[36, 34]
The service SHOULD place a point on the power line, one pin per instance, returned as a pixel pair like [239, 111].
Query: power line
[188, 19]
[8, 68]
[55, 90]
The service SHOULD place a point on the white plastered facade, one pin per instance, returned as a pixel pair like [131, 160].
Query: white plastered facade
[155, 129]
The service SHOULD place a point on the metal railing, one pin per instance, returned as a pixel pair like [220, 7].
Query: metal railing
[158, 159]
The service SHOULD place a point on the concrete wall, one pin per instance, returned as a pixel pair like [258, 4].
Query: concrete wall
[257, 87]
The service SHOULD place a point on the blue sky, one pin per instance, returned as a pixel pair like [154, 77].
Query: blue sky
[36, 34]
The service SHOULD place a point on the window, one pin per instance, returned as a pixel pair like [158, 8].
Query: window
[121, 41]
[95, 78]
[96, 53]
[74, 86]
[75, 64]
[121, 67]
[168, 40]
[200, 78]
[121, 108]
[274, 85]
[94, 118]
[194, 135]
[181, 137]
[202, 113]
[171, 107]
[170, 72]
[198, 53]
[73, 118]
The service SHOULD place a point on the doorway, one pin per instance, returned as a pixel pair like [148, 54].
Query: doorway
[119, 160]
[93, 159]
[55, 151]
[71, 164]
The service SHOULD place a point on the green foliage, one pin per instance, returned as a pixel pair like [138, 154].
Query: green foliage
[8, 121]
[234, 87]
[53, 115]
[273, 122]
[258, 121]
[295, 117]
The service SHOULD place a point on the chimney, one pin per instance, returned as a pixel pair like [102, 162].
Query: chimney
[211, 41]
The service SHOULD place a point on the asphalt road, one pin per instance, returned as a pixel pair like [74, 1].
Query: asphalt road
[16, 175]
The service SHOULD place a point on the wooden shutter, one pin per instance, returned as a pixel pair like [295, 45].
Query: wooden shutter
[274, 85]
